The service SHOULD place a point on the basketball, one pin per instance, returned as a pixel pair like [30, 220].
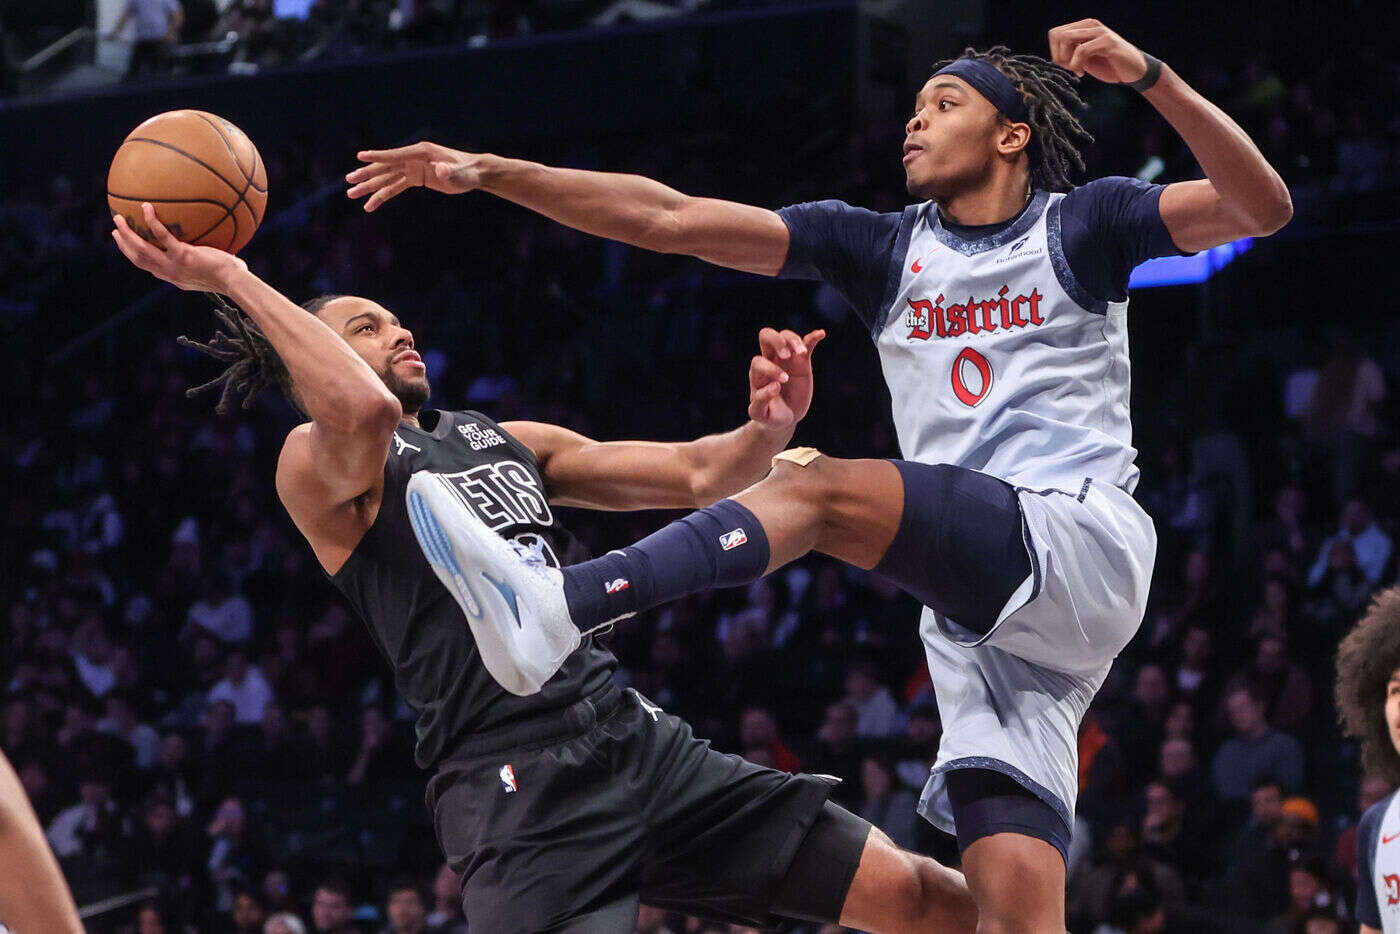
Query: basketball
[202, 174]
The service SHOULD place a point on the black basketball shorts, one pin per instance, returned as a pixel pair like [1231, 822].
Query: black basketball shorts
[628, 804]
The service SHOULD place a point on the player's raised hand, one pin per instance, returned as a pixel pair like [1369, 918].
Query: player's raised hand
[1090, 47]
[192, 268]
[780, 377]
[387, 172]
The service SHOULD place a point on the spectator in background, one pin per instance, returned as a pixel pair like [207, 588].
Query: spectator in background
[162, 848]
[759, 731]
[333, 908]
[385, 754]
[1091, 894]
[157, 28]
[1339, 595]
[922, 730]
[1197, 674]
[249, 915]
[1340, 419]
[405, 909]
[1181, 770]
[447, 915]
[244, 687]
[1309, 888]
[284, 923]
[175, 777]
[1374, 787]
[1255, 751]
[652, 921]
[121, 722]
[877, 714]
[235, 859]
[1371, 546]
[837, 751]
[92, 827]
[887, 804]
[221, 612]
[1172, 835]
[1285, 531]
[276, 891]
[1143, 726]
[1280, 682]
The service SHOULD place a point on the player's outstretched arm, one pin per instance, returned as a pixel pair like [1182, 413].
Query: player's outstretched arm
[33, 895]
[342, 452]
[629, 208]
[579, 471]
[1241, 195]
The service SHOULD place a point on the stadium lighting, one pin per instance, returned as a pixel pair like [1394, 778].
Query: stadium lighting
[1187, 270]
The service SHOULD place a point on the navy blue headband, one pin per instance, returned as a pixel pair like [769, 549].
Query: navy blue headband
[986, 79]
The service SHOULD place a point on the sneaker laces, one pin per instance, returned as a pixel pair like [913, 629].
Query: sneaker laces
[531, 555]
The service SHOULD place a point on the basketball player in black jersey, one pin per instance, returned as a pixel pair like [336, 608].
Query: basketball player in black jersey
[563, 808]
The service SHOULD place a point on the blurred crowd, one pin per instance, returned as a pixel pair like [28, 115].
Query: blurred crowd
[200, 720]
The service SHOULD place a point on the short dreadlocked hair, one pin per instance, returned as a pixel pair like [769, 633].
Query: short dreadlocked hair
[253, 363]
[1051, 99]
[1366, 660]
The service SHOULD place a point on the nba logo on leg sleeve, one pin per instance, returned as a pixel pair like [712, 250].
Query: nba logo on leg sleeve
[508, 778]
[731, 540]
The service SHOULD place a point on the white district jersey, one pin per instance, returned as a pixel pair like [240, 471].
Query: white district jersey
[997, 360]
[1378, 866]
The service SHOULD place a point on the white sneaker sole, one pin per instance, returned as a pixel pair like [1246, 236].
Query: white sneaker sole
[517, 613]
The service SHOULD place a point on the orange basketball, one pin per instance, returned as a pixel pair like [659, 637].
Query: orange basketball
[202, 174]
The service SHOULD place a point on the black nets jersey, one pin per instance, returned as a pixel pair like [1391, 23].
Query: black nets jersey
[414, 621]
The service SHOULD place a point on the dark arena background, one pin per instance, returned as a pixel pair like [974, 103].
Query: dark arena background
[205, 729]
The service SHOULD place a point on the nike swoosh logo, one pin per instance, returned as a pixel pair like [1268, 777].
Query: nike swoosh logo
[508, 594]
[1394, 836]
[916, 268]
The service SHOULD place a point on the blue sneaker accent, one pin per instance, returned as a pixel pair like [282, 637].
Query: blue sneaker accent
[507, 592]
[437, 548]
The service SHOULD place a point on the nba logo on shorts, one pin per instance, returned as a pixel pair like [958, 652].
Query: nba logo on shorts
[508, 778]
[731, 540]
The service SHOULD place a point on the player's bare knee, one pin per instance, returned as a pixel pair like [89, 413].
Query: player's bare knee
[809, 484]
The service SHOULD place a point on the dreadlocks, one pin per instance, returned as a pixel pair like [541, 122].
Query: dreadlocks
[253, 363]
[1051, 98]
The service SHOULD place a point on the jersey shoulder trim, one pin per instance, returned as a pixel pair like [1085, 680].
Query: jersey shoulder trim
[911, 218]
[1067, 279]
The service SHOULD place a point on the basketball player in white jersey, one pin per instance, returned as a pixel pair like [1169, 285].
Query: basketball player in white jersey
[1368, 699]
[998, 305]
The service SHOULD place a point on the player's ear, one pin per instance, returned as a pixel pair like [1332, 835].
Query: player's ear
[1012, 137]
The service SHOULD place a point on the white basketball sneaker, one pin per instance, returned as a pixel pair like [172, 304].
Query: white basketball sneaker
[513, 601]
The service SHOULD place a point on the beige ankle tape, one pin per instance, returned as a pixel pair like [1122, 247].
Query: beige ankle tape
[799, 456]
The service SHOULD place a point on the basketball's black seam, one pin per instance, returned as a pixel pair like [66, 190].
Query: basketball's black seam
[229, 146]
[195, 159]
[247, 178]
[113, 194]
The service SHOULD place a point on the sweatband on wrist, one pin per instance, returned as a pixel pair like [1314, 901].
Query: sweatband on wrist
[1154, 71]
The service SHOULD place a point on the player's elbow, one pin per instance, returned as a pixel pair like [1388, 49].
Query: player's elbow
[374, 411]
[663, 231]
[1274, 215]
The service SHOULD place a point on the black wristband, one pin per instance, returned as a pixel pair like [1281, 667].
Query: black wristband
[1154, 71]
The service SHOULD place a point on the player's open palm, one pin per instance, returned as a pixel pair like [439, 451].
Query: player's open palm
[780, 377]
[1090, 47]
[192, 268]
[387, 172]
